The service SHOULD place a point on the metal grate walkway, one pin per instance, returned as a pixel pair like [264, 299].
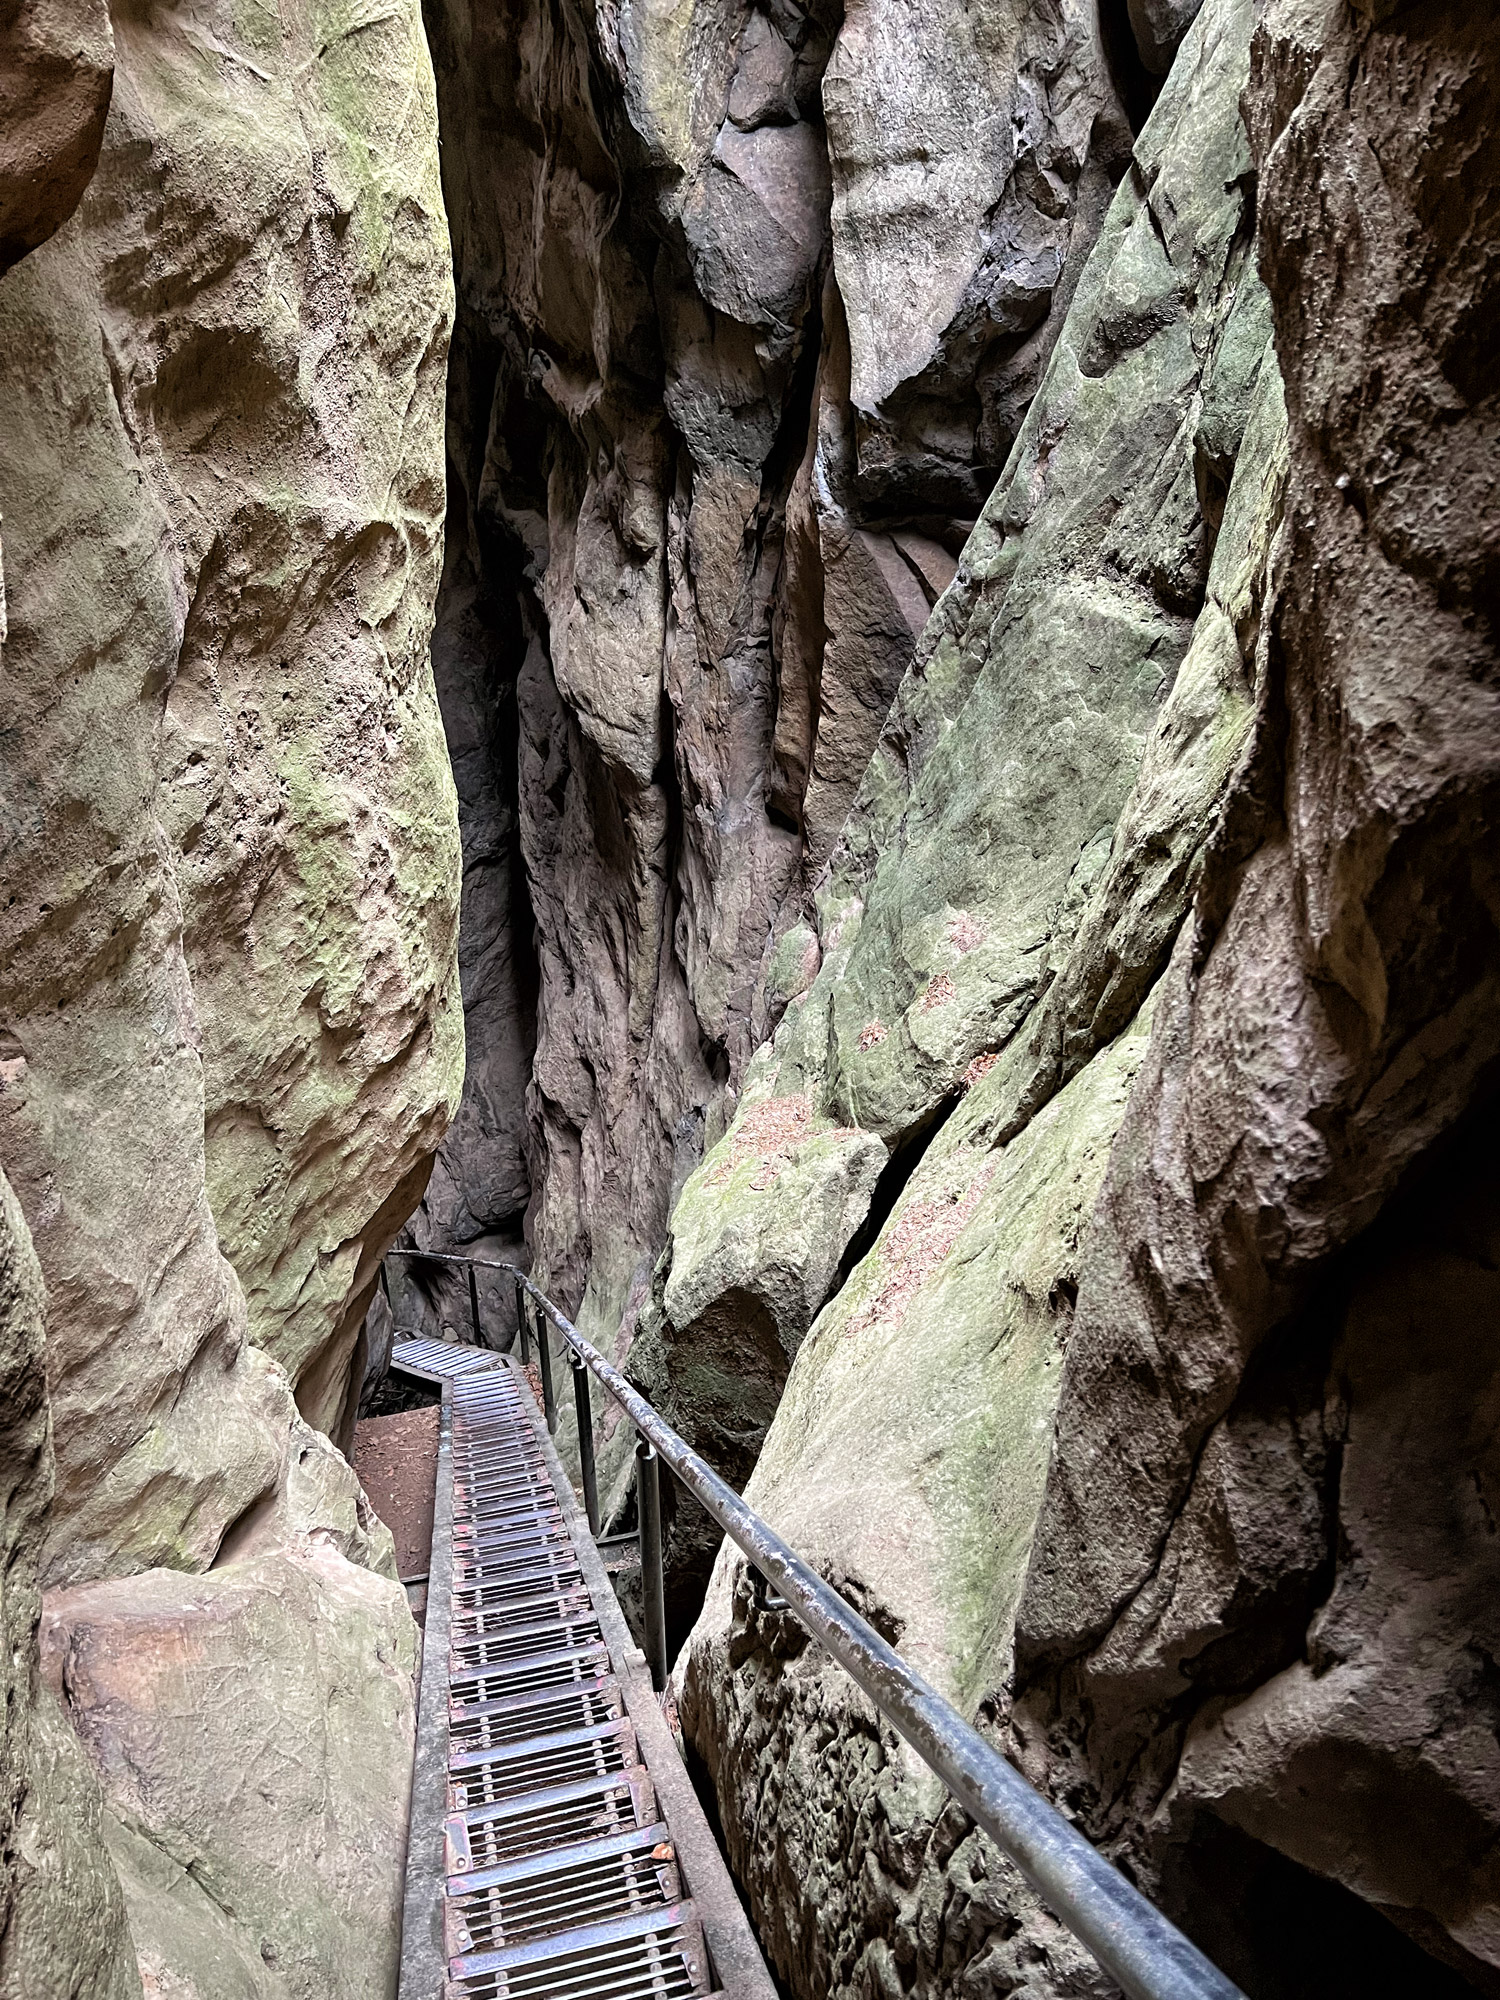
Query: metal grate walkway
[560, 1867]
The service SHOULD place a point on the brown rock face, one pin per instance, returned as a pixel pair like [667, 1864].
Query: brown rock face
[56, 67]
[751, 303]
[1288, 1576]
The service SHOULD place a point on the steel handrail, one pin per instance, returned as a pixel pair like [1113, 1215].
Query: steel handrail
[1134, 1943]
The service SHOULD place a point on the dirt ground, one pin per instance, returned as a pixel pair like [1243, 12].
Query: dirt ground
[396, 1459]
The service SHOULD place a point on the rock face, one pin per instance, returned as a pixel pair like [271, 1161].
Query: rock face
[1325, 1049]
[229, 1020]
[253, 1729]
[62, 1917]
[991, 921]
[56, 67]
[1159, 951]
[751, 304]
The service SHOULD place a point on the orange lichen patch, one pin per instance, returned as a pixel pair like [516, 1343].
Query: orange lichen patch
[925, 1231]
[939, 992]
[981, 1066]
[767, 1133]
[871, 1035]
[964, 932]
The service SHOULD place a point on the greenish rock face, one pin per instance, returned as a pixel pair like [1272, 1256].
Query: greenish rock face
[229, 961]
[919, 1408]
[230, 1032]
[1024, 843]
[997, 918]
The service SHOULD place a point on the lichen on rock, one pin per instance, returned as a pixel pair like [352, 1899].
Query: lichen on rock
[1024, 846]
[231, 1031]
[1159, 1468]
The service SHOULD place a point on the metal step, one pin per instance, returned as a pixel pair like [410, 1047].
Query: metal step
[540, 1895]
[648, 1955]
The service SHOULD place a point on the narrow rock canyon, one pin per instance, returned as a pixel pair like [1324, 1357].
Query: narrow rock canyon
[829, 671]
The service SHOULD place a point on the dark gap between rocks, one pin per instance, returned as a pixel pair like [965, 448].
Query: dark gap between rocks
[1134, 84]
[1284, 1933]
[890, 1187]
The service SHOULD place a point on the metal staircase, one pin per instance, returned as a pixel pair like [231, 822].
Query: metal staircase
[641, 1952]
[567, 1821]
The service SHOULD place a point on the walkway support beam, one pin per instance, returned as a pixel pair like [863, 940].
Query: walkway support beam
[585, 1439]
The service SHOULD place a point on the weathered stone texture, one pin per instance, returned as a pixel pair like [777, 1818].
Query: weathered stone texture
[1156, 1422]
[229, 1022]
[252, 1730]
[1022, 847]
[228, 967]
[62, 1918]
[751, 304]
[1329, 1017]
[56, 67]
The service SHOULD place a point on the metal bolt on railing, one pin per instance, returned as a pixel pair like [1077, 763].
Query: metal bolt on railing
[1136, 1945]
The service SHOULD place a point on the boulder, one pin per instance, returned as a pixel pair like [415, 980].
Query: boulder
[252, 1731]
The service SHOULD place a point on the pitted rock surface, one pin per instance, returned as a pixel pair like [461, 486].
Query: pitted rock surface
[228, 982]
[751, 305]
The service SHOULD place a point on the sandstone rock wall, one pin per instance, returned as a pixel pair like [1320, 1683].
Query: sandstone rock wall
[62, 1916]
[752, 301]
[56, 71]
[229, 1020]
[1149, 1410]
[1292, 1589]
[1022, 848]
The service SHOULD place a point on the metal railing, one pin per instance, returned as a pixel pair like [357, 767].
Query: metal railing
[1134, 1943]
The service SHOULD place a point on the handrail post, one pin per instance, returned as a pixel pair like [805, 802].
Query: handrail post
[474, 1308]
[521, 1324]
[585, 1439]
[648, 1512]
[549, 1402]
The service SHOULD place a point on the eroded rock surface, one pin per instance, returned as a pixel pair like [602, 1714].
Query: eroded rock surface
[1023, 845]
[1327, 1023]
[1154, 1424]
[751, 304]
[56, 68]
[229, 1020]
[252, 1730]
[62, 1916]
